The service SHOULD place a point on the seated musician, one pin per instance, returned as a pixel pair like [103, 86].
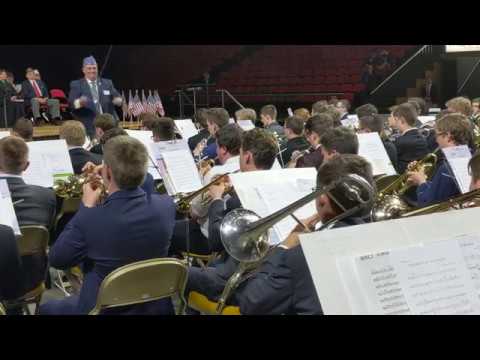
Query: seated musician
[216, 119]
[315, 127]
[146, 120]
[302, 113]
[474, 169]
[9, 98]
[374, 123]
[283, 283]
[450, 130]
[201, 121]
[366, 110]
[73, 132]
[339, 140]
[228, 140]
[246, 114]
[294, 127]
[23, 128]
[410, 145]
[163, 129]
[268, 117]
[319, 107]
[127, 227]
[343, 106]
[258, 151]
[34, 205]
[460, 105]
[102, 123]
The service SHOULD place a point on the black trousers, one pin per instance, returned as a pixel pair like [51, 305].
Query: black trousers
[198, 244]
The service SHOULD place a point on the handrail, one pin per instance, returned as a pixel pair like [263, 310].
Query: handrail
[224, 91]
[468, 77]
[423, 48]
[181, 92]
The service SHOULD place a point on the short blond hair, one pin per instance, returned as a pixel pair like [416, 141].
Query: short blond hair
[461, 104]
[246, 114]
[73, 132]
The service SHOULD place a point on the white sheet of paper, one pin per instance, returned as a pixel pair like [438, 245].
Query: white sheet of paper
[182, 170]
[246, 125]
[351, 121]
[186, 127]
[434, 110]
[49, 160]
[266, 191]
[7, 211]
[4, 134]
[331, 257]
[458, 158]
[372, 149]
[426, 119]
[231, 121]
[145, 137]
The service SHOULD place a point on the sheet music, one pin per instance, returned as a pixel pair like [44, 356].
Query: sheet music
[4, 134]
[231, 121]
[186, 128]
[434, 110]
[426, 119]
[49, 160]
[351, 121]
[7, 211]
[182, 171]
[145, 137]
[246, 125]
[458, 158]
[372, 149]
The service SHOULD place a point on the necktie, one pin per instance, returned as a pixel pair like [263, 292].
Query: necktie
[93, 87]
[38, 93]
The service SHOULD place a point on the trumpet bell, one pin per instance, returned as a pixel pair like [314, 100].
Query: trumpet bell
[234, 224]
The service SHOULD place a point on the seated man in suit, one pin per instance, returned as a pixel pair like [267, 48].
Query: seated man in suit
[366, 110]
[126, 228]
[102, 123]
[200, 118]
[163, 129]
[450, 130]
[73, 132]
[339, 140]
[95, 94]
[14, 108]
[35, 93]
[343, 106]
[216, 119]
[268, 117]
[294, 127]
[11, 273]
[246, 114]
[315, 127]
[283, 283]
[368, 124]
[410, 145]
[228, 140]
[319, 107]
[23, 128]
[257, 152]
[146, 120]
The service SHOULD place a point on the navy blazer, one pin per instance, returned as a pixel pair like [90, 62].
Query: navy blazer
[80, 157]
[442, 186]
[28, 93]
[106, 93]
[11, 280]
[195, 139]
[127, 228]
[410, 147]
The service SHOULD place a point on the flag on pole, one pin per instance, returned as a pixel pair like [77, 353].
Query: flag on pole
[124, 107]
[137, 105]
[158, 103]
[151, 103]
[130, 105]
[144, 102]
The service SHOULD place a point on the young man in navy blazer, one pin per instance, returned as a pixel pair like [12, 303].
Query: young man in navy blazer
[127, 227]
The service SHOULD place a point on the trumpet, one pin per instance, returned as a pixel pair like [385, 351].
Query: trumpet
[389, 204]
[72, 187]
[245, 235]
[464, 201]
[183, 201]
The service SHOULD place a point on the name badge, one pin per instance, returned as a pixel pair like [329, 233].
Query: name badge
[106, 92]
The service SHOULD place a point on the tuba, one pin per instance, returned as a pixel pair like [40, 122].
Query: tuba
[464, 201]
[245, 235]
[389, 204]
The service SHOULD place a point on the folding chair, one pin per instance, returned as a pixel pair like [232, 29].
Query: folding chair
[141, 282]
[33, 242]
[205, 306]
[2, 310]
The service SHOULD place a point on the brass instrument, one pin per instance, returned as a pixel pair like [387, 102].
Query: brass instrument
[206, 198]
[183, 201]
[464, 201]
[245, 235]
[72, 187]
[297, 156]
[205, 165]
[389, 204]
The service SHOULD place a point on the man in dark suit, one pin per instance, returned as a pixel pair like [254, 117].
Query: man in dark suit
[315, 127]
[11, 279]
[430, 90]
[35, 93]
[410, 145]
[257, 152]
[283, 283]
[73, 132]
[10, 105]
[268, 117]
[201, 119]
[95, 94]
[294, 127]
[102, 124]
[343, 106]
[128, 227]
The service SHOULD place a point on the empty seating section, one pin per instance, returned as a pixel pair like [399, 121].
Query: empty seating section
[303, 69]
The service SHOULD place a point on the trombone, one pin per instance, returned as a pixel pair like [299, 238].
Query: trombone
[245, 235]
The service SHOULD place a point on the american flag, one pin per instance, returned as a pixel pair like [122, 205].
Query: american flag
[151, 103]
[144, 102]
[137, 107]
[158, 103]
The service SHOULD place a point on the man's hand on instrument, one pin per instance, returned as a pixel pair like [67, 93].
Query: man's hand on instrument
[216, 191]
[92, 192]
[292, 240]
